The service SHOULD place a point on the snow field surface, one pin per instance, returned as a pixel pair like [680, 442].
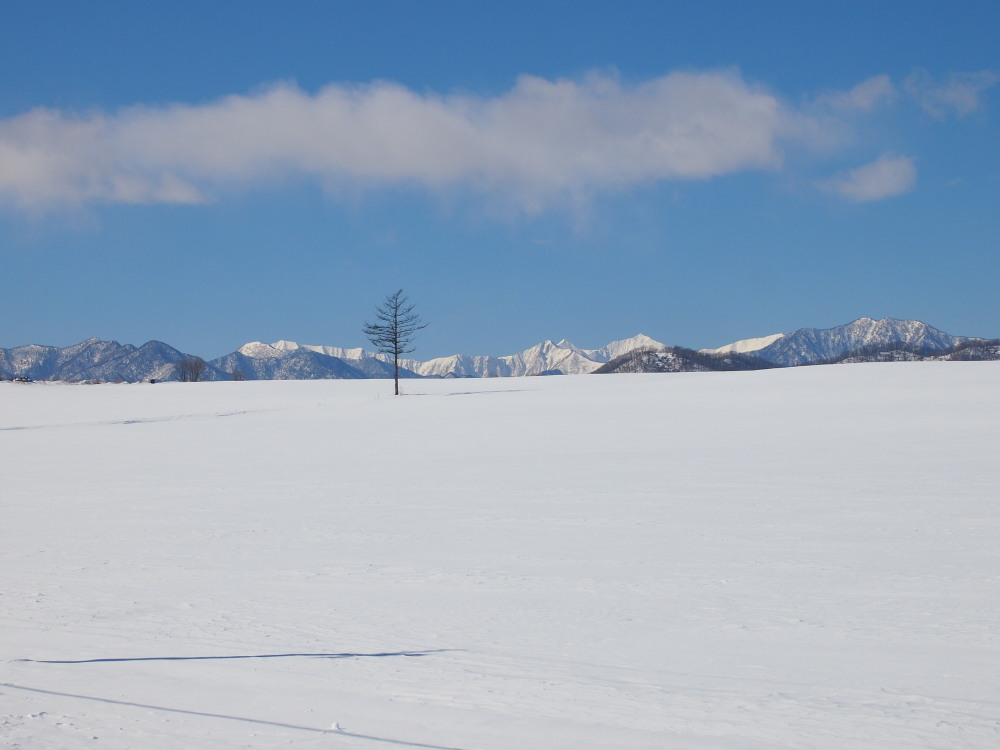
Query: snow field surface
[803, 558]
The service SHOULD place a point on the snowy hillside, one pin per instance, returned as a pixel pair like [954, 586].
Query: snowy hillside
[790, 558]
[92, 359]
[678, 359]
[745, 346]
[812, 345]
[260, 361]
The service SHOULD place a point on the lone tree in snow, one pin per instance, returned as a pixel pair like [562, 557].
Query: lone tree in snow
[393, 331]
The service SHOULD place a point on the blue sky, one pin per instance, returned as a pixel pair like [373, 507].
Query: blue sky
[208, 174]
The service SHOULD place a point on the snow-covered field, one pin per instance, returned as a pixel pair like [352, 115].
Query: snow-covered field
[805, 558]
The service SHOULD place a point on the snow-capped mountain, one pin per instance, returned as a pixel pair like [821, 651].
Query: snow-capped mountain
[864, 340]
[282, 360]
[812, 345]
[745, 346]
[547, 357]
[282, 348]
[273, 360]
[93, 359]
[285, 360]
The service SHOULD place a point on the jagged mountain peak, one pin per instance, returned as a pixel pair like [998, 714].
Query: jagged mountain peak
[546, 356]
[259, 349]
[547, 345]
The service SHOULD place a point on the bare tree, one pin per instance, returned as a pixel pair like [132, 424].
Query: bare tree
[393, 331]
[190, 369]
[239, 375]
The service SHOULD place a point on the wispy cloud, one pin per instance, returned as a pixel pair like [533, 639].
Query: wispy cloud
[864, 97]
[959, 93]
[540, 142]
[885, 177]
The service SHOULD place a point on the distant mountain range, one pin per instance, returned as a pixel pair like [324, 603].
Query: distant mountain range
[812, 345]
[547, 357]
[864, 340]
[91, 360]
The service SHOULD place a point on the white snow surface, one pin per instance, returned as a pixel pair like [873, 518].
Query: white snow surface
[746, 345]
[800, 558]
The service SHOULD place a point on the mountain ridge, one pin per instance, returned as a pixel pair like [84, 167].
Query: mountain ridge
[814, 345]
[545, 356]
[862, 340]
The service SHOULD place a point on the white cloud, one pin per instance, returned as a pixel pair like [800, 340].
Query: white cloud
[959, 93]
[885, 177]
[828, 121]
[541, 142]
[864, 97]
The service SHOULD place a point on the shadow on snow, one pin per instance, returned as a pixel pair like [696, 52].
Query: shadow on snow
[346, 655]
[387, 740]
